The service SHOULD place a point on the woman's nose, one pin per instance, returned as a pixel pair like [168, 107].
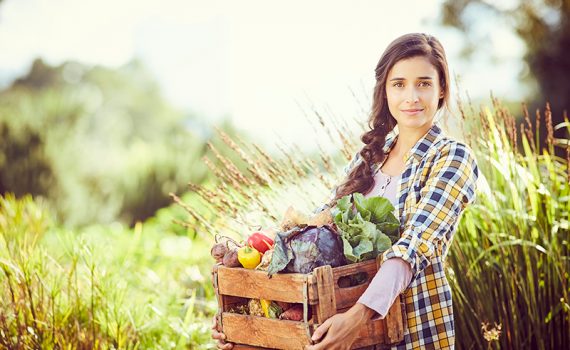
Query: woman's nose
[412, 96]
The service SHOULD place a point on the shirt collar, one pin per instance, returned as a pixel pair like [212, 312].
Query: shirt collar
[421, 147]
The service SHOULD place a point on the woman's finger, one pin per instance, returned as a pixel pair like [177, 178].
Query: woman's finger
[218, 335]
[322, 329]
[223, 345]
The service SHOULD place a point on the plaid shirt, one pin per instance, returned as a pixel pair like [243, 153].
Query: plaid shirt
[439, 181]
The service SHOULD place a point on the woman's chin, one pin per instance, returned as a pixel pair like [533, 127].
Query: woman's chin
[413, 123]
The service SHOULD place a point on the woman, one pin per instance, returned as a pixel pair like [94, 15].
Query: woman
[429, 178]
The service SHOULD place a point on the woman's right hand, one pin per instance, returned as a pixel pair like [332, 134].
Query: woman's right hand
[221, 337]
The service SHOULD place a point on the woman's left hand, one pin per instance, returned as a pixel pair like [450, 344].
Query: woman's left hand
[341, 329]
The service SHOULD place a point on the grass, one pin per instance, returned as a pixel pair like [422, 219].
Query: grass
[510, 264]
[101, 288]
[113, 287]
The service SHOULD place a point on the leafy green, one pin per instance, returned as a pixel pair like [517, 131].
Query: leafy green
[367, 230]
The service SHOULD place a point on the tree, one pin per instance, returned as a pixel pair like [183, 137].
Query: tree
[543, 26]
[100, 144]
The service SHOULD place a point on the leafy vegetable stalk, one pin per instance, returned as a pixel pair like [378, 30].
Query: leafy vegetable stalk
[367, 229]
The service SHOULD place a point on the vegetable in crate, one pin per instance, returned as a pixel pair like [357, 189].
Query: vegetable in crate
[265, 260]
[249, 257]
[270, 308]
[294, 313]
[231, 258]
[294, 218]
[222, 252]
[218, 251]
[255, 308]
[369, 229]
[260, 242]
[302, 250]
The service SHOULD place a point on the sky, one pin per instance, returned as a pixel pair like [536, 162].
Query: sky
[264, 64]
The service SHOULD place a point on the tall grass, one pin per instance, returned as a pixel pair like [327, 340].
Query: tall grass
[509, 266]
[102, 288]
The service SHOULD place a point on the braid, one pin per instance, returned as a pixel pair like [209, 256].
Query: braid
[361, 179]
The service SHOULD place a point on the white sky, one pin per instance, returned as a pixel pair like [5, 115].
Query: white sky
[259, 62]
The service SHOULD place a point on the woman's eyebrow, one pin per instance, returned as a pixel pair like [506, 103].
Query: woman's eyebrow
[419, 78]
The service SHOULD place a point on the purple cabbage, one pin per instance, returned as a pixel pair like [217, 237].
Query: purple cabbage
[301, 250]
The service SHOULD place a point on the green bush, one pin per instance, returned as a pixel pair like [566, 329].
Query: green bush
[101, 288]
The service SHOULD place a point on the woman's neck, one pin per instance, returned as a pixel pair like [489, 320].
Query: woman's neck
[407, 139]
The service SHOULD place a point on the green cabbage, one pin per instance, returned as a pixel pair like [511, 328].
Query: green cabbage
[368, 230]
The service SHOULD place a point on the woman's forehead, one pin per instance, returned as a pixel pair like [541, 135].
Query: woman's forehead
[413, 68]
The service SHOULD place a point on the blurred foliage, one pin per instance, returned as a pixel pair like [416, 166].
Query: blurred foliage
[101, 144]
[543, 26]
[99, 287]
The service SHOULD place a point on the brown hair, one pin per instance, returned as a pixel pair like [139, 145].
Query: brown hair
[381, 122]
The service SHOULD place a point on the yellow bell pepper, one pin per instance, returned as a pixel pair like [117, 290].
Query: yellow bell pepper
[249, 257]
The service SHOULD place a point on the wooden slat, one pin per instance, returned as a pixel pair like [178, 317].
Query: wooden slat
[352, 269]
[264, 332]
[349, 296]
[346, 297]
[325, 289]
[219, 297]
[394, 320]
[287, 287]
[394, 323]
[370, 334]
[312, 287]
[247, 347]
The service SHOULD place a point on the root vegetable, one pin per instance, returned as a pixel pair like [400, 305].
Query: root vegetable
[321, 219]
[265, 260]
[292, 218]
[231, 258]
[218, 251]
[295, 313]
[285, 306]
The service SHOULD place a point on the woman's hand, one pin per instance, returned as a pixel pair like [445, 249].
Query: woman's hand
[341, 329]
[221, 337]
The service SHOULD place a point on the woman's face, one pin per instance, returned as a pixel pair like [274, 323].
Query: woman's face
[413, 93]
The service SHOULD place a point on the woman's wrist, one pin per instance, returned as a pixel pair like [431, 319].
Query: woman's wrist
[361, 313]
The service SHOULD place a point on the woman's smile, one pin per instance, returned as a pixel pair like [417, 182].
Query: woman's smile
[412, 111]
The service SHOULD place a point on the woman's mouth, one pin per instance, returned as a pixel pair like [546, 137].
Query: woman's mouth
[412, 111]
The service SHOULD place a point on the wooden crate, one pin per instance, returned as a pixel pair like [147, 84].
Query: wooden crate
[319, 292]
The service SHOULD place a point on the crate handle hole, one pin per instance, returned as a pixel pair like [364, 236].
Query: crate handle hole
[353, 280]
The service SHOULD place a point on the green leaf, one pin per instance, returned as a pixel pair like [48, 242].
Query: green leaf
[348, 251]
[380, 208]
[383, 243]
[364, 246]
[360, 204]
[344, 203]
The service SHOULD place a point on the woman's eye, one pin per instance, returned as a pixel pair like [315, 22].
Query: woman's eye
[398, 85]
[425, 83]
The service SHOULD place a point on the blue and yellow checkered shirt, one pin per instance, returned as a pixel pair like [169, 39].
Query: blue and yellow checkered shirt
[438, 182]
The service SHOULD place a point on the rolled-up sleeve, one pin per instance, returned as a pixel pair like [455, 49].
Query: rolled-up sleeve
[449, 188]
